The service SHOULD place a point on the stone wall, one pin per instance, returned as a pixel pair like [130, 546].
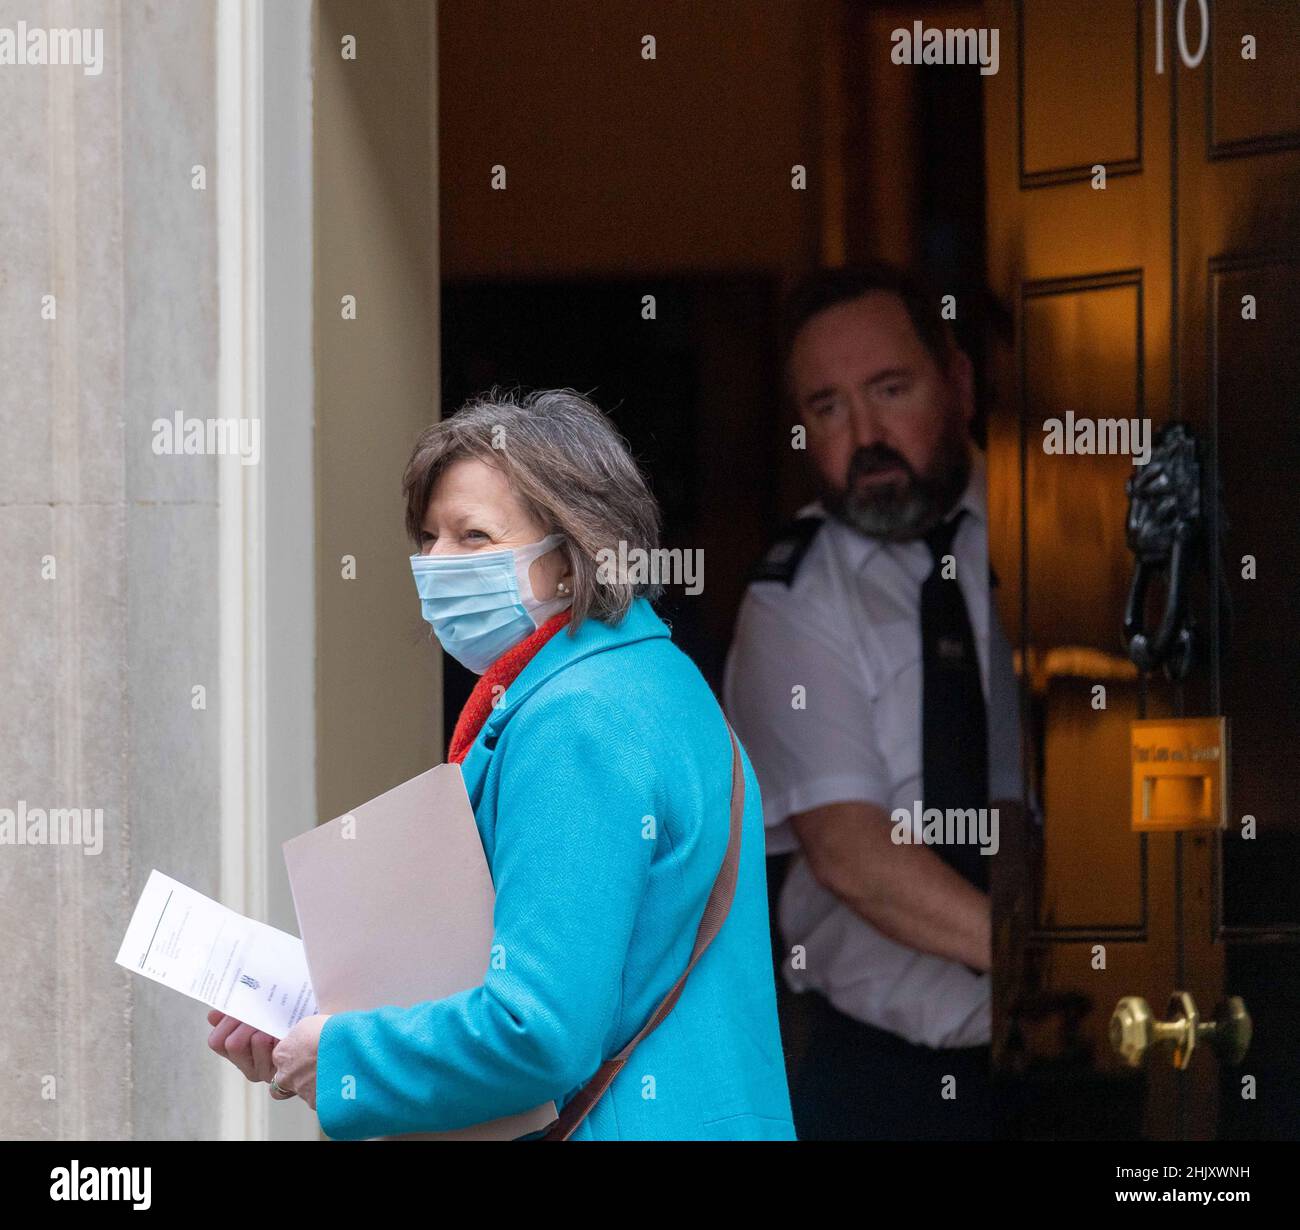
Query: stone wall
[109, 617]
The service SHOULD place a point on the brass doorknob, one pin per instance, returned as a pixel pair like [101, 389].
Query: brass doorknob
[1231, 1031]
[1134, 1029]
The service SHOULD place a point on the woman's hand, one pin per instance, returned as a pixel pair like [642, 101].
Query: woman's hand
[295, 1058]
[291, 1062]
[247, 1048]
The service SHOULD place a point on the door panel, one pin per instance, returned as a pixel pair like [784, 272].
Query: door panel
[1128, 304]
[1069, 54]
[1237, 204]
[1088, 915]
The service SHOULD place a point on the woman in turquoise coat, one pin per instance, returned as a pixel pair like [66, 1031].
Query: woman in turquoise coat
[599, 767]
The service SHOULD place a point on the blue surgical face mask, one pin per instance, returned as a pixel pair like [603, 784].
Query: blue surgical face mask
[482, 603]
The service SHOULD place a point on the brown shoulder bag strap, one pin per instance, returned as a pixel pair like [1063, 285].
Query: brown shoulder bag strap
[715, 914]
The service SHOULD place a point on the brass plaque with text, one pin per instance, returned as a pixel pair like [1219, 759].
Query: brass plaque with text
[1180, 768]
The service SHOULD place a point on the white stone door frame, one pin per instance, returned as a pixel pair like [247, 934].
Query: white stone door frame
[266, 540]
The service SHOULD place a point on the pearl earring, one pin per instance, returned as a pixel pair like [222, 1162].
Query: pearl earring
[561, 587]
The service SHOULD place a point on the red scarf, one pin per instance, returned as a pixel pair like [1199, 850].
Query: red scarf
[500, 675]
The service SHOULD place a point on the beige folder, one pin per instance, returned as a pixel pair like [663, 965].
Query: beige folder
[394, 905]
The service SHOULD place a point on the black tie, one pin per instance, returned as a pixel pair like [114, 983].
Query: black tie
[954, 726]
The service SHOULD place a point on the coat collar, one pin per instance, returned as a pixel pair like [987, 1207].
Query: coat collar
[561, 651]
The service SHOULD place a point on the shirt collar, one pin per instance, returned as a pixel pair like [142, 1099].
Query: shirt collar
[975, 498]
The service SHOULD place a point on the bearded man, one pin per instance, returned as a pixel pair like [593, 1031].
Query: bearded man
[868, 675]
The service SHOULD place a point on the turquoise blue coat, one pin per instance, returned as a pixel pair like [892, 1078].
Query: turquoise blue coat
[601, 786]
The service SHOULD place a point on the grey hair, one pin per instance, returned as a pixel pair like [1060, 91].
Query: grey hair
[572, 471]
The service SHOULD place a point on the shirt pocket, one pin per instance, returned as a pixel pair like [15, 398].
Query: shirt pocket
[896, 706]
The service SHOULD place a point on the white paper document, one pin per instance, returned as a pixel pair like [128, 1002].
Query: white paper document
[251, 971]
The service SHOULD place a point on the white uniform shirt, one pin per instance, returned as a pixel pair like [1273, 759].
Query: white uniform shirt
[847, 631]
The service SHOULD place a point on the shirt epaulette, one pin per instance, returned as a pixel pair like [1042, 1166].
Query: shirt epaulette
[782, 559]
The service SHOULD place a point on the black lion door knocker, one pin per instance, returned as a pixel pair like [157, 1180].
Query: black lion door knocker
[1165, 524]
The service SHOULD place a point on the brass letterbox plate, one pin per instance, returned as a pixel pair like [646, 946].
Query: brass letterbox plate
[1180, 768]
